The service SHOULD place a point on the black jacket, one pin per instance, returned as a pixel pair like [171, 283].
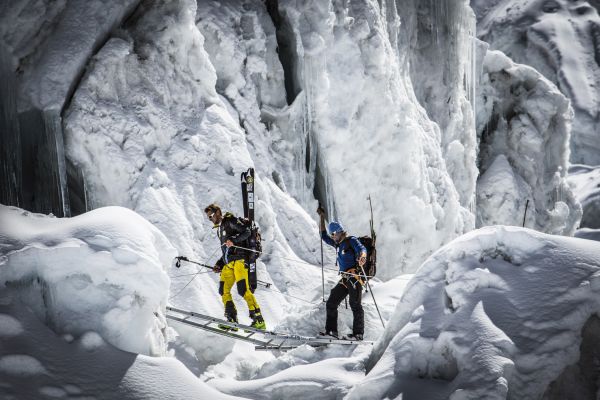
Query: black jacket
[234, 229]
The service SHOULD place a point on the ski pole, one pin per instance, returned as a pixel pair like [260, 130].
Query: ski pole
[525, 216]
[183, 258]
[373, 296]
[322, 264]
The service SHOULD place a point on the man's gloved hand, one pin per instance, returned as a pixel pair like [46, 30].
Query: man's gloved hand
[217, 268]
[321, 211]
[362, 260]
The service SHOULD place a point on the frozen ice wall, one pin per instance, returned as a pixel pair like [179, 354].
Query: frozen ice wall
[437, 42]
[585, 181]
[523, 124]
[561, 39]
[101, 272]
[364, 121]
[45, 46]
[152, 132]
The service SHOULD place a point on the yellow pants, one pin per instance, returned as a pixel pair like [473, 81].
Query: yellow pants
[236, 272]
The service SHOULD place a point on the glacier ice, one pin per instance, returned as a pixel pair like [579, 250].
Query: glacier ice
[523, 124]
[561, 39]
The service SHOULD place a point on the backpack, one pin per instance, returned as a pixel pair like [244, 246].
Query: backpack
[370, 266]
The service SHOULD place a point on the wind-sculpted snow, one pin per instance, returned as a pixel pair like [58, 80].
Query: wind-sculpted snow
[523, 123]
[498, 313]
[103, 271]
[561, 39]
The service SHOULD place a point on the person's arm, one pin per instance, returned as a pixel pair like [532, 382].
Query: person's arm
[324, 234]
[241, 232]
[326, 238]
[219, 265]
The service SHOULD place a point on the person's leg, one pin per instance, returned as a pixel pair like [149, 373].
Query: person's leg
[355, 300]
[226, 280]
[243, 287]
[337, 294]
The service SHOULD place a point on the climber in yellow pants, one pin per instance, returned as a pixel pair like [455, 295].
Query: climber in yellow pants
[233, 233]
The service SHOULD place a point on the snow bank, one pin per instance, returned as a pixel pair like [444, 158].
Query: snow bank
[498, 313]
[559, 38]
[523, 124]
[36, 363]
[585, 181]
[102, 271]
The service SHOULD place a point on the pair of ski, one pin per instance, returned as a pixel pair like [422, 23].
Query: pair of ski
[263, 340]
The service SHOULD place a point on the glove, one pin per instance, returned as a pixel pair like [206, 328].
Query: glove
[320, 211]
[362, 260]
[217, 268]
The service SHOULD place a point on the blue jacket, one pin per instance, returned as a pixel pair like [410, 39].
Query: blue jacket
[348, 251]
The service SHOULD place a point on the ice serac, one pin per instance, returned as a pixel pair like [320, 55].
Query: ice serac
[561, 39]
[363, 119]
[103, 271]
[499, 313]
[523, 125]
[585, 181]
[156, 129]
[442, 59]
[45, 47]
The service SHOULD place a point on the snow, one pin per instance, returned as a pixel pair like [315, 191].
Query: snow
[346, 124]
[559, 38]
[585, 181]
[40, 364]
[119, 291]
[9, 326]
[50, 42]
[523, 123]
[330, 102]
[21, 365]
[498, 312]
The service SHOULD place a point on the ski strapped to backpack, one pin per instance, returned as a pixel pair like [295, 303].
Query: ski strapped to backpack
[254, 241]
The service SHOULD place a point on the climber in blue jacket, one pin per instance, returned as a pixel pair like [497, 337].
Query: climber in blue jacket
[350, 255]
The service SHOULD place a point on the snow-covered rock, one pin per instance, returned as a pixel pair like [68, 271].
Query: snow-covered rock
[523, 124]
[501, 312]
[560, 39]
[103, 271]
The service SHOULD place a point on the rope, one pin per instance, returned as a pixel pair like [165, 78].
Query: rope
[194, 277]
[197, 273]
[298, 261]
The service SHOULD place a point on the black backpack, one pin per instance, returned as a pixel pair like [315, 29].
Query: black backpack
[370, 266]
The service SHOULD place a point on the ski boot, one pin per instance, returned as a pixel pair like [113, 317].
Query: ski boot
[355, 337]
[227, 327]
[258, 321]
[329, 334]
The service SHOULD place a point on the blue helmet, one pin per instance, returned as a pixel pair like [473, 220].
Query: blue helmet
[335, 227]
